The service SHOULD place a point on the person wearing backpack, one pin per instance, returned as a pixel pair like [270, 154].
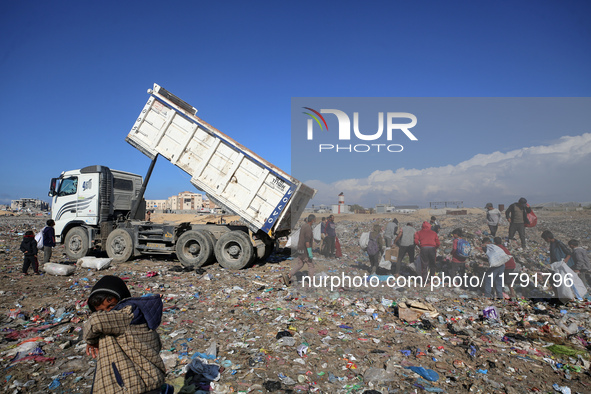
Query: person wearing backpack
[29, 248]
[375, 248]
[48, 240]
[460, 252]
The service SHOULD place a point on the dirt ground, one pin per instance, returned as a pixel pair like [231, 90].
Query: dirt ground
[355, 339]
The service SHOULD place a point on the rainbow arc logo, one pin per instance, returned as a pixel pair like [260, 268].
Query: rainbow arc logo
[316, 118]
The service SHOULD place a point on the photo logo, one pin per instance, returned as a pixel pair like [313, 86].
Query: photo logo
[391, 125]
[316, 119]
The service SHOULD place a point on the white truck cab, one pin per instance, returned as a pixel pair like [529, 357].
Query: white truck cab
[86, 197]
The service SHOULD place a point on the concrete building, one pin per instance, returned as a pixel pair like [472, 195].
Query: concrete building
[30, 204]
[159, 205]
[190, 201]
[187, 201]
[406, 208]
[384, 208]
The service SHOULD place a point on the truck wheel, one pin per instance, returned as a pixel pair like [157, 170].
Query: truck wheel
[233, 250]
[194, 249]
[269, 248]
[119, 245]
[211, 237]
[76, 243]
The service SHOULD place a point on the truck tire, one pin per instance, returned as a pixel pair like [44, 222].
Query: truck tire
[212, 239]
[234, 251]
[76, 243]
[269, 248]
[119, 245]
[193, 249]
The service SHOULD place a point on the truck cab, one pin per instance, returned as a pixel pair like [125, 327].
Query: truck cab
[85, 198]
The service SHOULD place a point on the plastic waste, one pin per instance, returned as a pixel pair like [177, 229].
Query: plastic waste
[428, 374]
[490, 312]
[59, 269]
[94, 262]
[561, 389]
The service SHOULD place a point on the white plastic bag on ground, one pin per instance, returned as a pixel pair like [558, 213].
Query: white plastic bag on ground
[59, 269]
[576, 290]
[317, 232]
[385, 264]
[364, 240]
[39, 238]
[292, 241]
[94, 262]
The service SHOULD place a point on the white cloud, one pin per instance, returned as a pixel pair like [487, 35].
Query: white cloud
[556, 172]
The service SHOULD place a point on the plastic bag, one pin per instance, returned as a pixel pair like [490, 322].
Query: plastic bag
[317, 232]
[59, 269]
[533, 219]
[292, 241]
[94, 262]
[576, 290]
[385, 264]
[364, 240]
[496, 256]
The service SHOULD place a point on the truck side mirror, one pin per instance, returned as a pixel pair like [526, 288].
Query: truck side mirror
[52, 187]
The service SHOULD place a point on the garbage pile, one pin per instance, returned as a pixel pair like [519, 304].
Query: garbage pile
[244, 331]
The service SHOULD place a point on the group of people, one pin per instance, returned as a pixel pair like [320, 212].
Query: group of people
[30, 247]
[328, 234]
[516, 215]
[406, 238]
[574, 255]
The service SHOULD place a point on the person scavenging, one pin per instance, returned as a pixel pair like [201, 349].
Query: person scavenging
[516, 215]
[406, 245]
[493, 218]
[304, 251]
[375, 248]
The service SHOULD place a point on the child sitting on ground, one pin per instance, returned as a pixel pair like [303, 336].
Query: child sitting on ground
[122, 334]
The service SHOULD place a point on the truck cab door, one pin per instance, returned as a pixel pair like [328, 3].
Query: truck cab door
[87, 207]
[64, 203]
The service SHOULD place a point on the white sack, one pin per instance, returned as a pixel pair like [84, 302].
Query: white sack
[94, 262]
[59, 269]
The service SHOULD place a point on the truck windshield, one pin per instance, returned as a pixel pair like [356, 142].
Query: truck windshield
[68, 186]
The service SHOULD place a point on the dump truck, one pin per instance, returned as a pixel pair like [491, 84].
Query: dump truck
[96, 208]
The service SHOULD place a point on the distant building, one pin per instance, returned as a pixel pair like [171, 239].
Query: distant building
[159, 205]
[208, 204]
[190, 201]
[29, 204]
[185, 201]
[406, 208]
[384, 208]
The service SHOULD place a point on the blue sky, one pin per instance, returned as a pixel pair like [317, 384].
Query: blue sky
[75, 74]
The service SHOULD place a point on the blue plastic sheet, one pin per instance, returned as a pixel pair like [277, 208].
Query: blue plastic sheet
[427, 374]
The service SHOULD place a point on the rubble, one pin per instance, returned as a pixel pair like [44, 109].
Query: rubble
[265, 337]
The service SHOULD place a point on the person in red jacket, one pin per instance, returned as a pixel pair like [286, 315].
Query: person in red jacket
[428, 242]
